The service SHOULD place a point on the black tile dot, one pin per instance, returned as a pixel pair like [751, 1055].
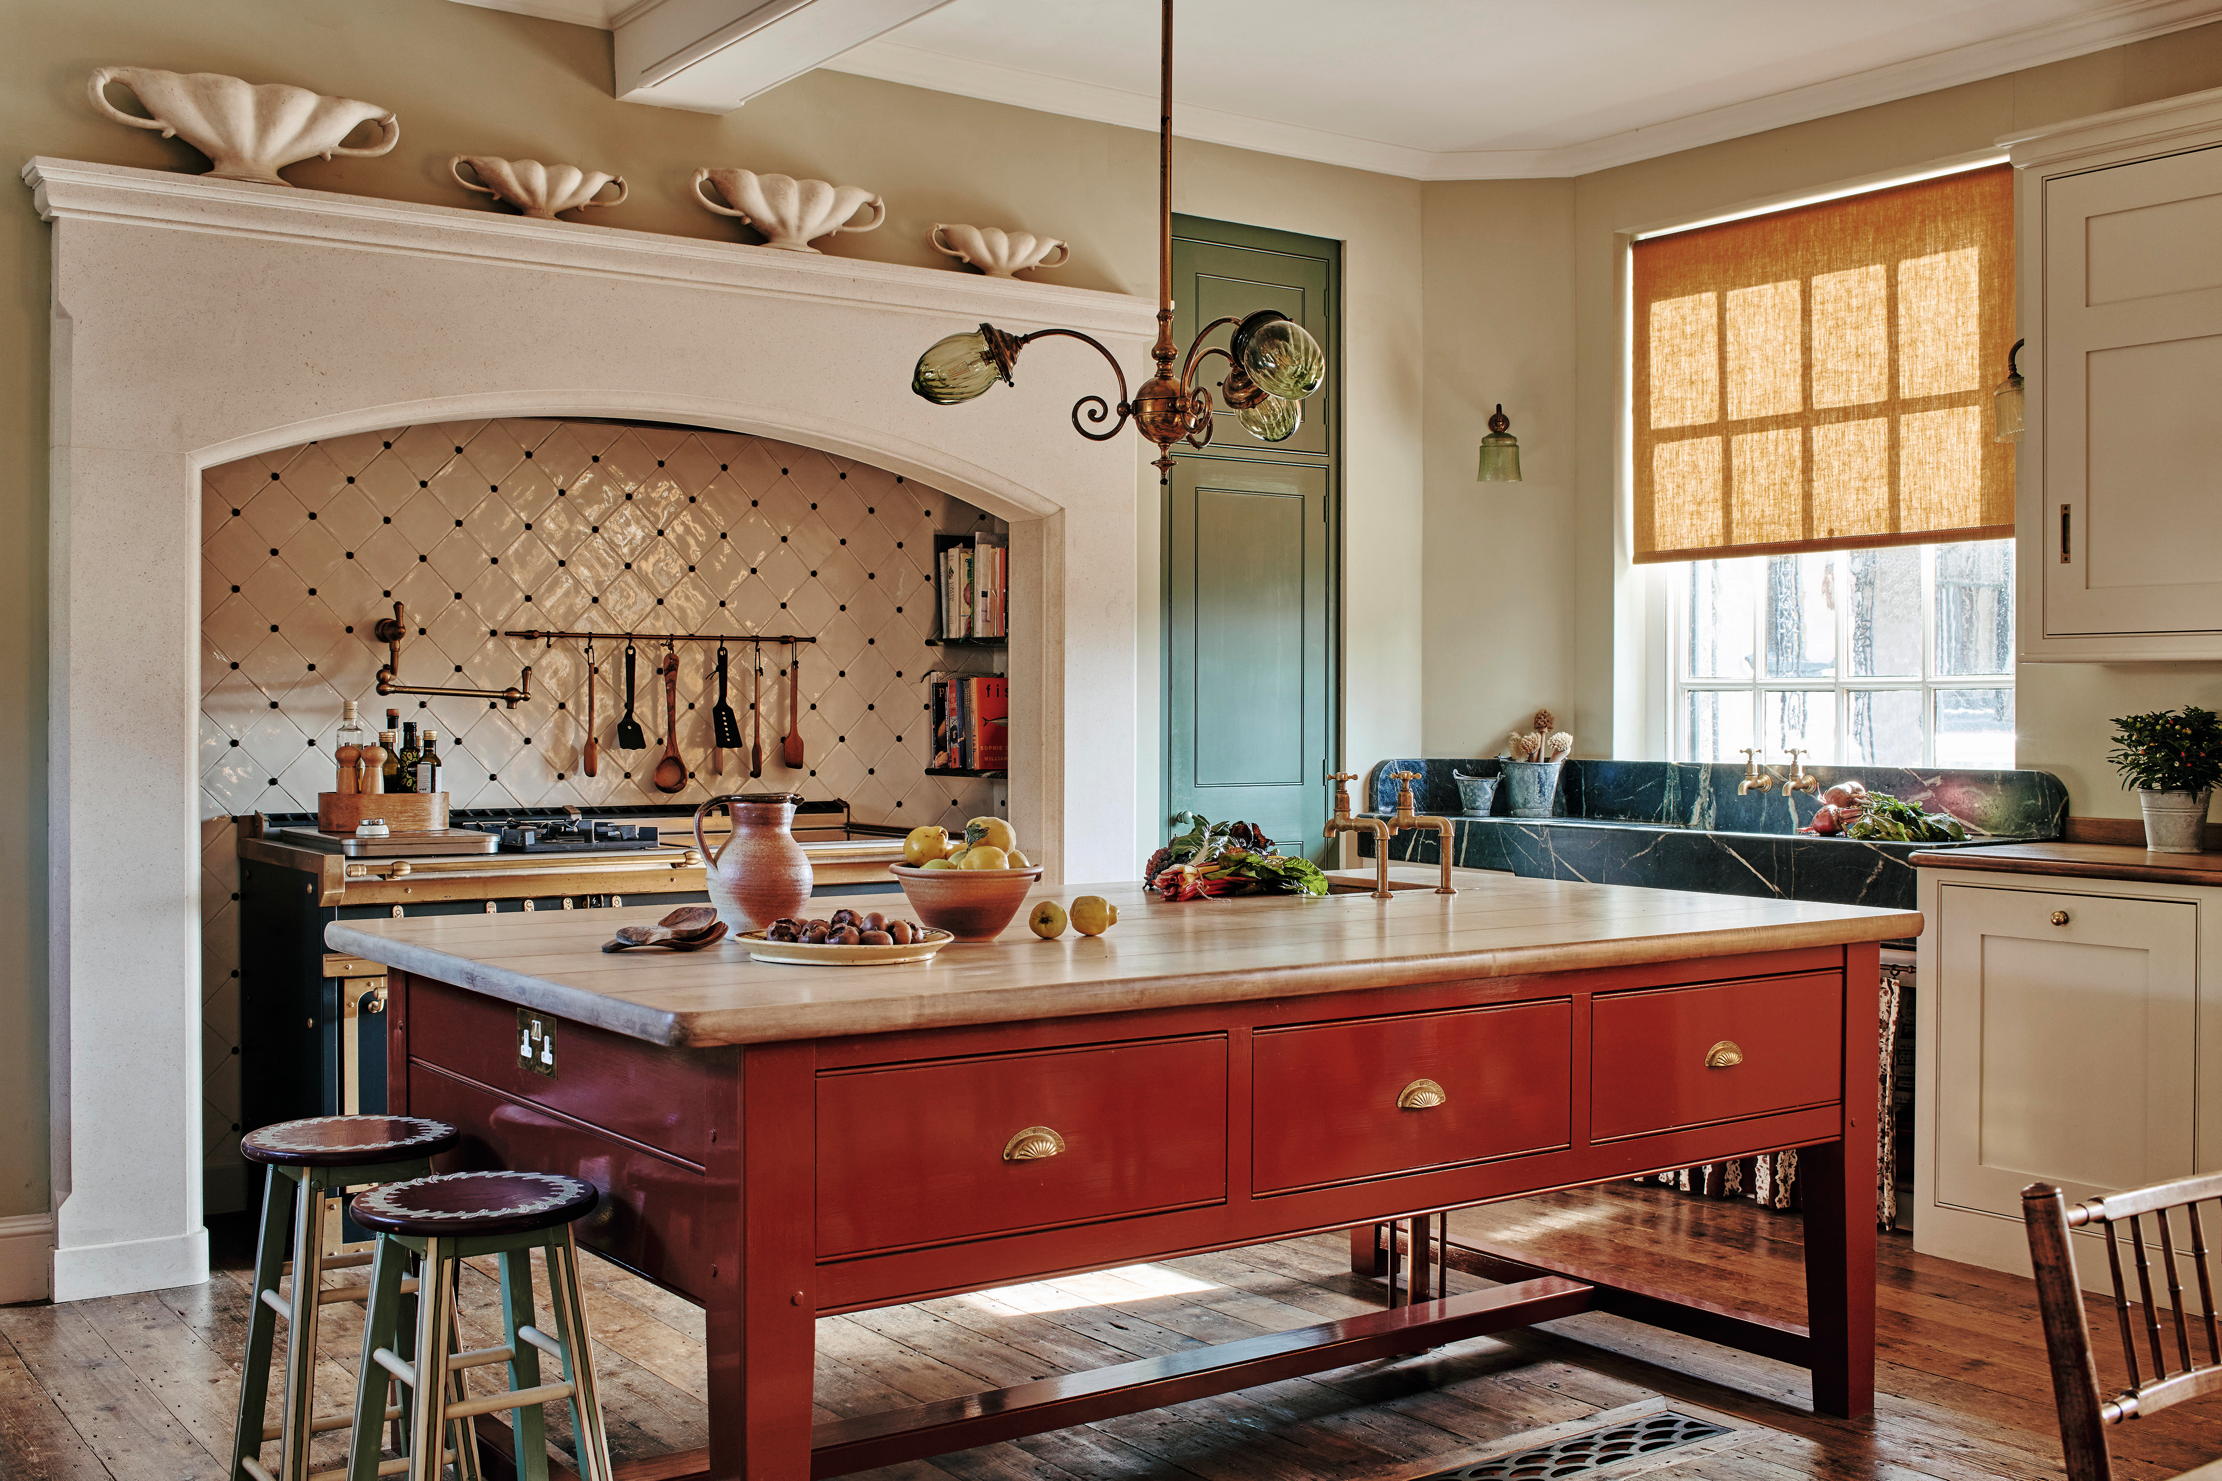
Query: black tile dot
[274, 479]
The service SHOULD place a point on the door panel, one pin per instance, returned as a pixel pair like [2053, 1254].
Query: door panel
[1250, 577]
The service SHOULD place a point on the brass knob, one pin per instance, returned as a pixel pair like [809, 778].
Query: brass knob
[1033, 1144]
[1724, 1055]
[376, 1001]
[1421, 1095]
[2059, 917]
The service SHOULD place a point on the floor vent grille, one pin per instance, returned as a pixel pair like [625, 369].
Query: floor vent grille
[1578, 1454]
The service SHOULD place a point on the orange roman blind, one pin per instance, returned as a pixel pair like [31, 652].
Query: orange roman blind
[1819, 378]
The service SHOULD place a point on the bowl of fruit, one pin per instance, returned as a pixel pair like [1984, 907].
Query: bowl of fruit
[970, 885]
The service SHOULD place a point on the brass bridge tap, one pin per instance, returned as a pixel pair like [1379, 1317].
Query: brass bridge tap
[1799, 779]
[1756, 777]
[1343, 822]
[1406, 819]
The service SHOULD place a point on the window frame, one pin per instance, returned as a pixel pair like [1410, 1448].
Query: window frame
[1679, 684]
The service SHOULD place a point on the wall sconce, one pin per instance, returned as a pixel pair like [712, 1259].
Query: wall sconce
[1500, 451]
[2007, 401]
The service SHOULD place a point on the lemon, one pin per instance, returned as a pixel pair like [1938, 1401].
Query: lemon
[984, 856]
[992, 831]
[937, 864]
[1092, 915]
[921, 844]
[1048, 920]
[1018, 860]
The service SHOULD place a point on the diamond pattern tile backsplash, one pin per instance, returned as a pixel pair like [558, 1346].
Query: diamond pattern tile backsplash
[478, 527]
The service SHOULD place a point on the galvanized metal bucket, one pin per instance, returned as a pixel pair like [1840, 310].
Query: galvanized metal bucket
[1530, 786]
[2175, 822]
[1476, 794]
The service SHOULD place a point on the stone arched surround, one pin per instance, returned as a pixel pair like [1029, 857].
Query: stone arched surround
[198, 321]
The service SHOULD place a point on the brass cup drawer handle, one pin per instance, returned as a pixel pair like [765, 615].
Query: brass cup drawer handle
[1033, 1144]
[2060, 917]
[1421, 1095]
[1724, 1055]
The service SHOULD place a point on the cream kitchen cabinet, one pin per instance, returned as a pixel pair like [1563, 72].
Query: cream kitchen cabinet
[2068, 1031]
[2120, 298]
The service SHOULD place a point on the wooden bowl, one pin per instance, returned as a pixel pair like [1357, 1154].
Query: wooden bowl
[970, 904]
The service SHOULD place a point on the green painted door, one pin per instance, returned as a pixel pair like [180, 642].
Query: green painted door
[1250, 536]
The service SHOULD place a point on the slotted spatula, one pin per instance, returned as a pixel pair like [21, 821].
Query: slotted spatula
[790, 749]
[724, 724]
[630, 737]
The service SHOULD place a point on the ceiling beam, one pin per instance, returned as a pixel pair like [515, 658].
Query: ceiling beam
[711, 56]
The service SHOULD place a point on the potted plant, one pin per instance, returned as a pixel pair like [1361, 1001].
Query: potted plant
[1530, 765]
[2173, 759]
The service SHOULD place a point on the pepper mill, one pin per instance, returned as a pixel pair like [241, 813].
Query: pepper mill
[350, 768]
[374, 769]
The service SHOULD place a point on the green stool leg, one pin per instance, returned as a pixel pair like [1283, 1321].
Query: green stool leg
[262, 1322]
[531, 1424]
[464, 1431]
[591, 1444]
[301, 1324]
[381, 1320]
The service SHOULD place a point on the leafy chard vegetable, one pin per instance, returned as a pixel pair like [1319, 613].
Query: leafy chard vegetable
[1230, 858]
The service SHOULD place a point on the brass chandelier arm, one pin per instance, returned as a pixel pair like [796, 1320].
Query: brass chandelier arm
[1096, 409]
[1199, 352]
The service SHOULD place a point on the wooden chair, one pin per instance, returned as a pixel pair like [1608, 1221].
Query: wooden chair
[2168, 1359]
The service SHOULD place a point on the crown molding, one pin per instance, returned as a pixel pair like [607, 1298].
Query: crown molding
[892, 60]
[66, 190]
[600, 13]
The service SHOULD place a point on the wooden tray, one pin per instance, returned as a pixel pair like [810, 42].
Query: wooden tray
[404, 812]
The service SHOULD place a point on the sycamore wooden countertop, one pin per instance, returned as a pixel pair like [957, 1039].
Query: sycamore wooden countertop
[2082, 861]
[1160, 955]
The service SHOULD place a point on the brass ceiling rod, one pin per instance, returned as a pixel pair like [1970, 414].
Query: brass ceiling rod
[550, 635]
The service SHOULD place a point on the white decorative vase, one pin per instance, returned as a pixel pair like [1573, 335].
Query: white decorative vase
[249, 131]
[790, 213]
[999, 253]
[535, 189]
[2175, 822]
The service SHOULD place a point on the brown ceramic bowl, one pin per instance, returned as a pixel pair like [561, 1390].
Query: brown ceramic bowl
[970, 904]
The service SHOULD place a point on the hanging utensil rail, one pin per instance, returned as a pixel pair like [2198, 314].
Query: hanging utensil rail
[547, 635]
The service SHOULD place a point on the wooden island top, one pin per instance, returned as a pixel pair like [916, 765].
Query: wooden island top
[1160, 955]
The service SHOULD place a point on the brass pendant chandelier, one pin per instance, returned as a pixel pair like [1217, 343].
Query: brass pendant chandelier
[1273, 363]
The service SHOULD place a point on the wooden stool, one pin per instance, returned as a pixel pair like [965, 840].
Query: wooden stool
[311, 1164]
[443, 1221]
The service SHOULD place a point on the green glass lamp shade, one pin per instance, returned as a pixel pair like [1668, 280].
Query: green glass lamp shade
[1500, 452]
[956, 369]
[1272, 419]
[1279, 355]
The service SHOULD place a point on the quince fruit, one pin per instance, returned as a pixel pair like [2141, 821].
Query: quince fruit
[1092, 915]
[1048, 920]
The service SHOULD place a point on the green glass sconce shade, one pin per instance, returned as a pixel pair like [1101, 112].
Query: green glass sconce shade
[1500, 451]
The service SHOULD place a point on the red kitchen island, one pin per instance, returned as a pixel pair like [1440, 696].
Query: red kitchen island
[779, 1143]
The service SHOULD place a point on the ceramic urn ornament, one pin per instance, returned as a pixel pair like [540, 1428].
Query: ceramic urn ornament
[248, 130]
[790, 213]
[999, 253]
[535, 189]
[760, 873]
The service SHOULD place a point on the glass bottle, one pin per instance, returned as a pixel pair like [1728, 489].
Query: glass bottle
[391, 740]
[428, 764]
[405, 765]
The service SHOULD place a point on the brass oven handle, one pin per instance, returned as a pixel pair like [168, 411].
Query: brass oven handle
[1421, 1095]
[2059, 917]
[1724, 1055]
[1033, 1144]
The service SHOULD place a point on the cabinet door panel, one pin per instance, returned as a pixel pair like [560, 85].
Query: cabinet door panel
[2131, 334]
[2065, 1046]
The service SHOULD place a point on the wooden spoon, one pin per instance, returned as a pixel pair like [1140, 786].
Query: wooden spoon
[791, 747]
[671, 772]
[591, 757]
[633, 938]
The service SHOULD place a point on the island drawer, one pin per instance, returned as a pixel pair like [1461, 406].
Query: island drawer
[1671, 1057]
[926, 1153]
[1370, 1098]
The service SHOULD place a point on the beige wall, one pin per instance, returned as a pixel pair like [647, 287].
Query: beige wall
[2062, 707]
[1500, 557]
[464, 79]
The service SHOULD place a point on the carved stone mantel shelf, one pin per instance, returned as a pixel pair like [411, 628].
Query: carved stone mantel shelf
[199, 321]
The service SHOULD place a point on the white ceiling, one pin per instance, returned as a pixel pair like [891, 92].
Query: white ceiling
[1454, 89]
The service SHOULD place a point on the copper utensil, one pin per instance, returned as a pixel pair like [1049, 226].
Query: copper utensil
[790, 749]
[756, 712]
[590, 758]
[671, 772]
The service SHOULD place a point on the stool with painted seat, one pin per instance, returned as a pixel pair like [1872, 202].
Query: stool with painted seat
[440, 1222]
[310, 1165]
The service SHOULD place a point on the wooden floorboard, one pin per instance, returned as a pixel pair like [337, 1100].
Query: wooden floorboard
[141, 1388]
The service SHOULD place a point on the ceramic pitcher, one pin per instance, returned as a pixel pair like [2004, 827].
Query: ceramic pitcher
[761, 872]
[249, 131]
